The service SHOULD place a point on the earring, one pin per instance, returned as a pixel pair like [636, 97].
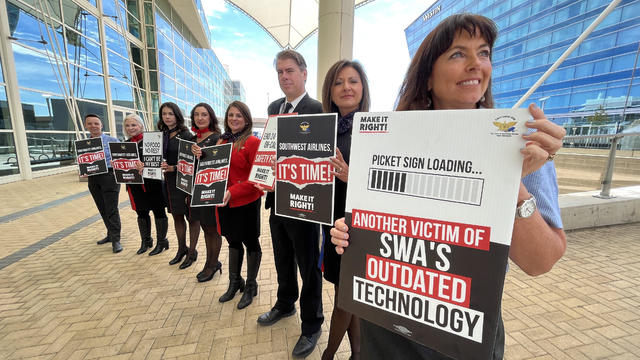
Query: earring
[429, 102]
[482, 99]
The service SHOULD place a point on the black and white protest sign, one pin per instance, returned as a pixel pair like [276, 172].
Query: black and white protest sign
[90, 156]
[124, 156]
[430, 209]
[261, 170]
[210, 181]
[152, 155]
[304, 179]
[186, 161]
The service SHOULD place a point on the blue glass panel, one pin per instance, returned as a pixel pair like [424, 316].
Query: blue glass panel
[166, 65]
[165, 45]
[580, 99]
[570, 11]
[121, 94]
[563, 74]
[631, 11]
[180, 75]
[119, 67]
[540, 5]
[617, 92]
[597, 44]
[167, 85]
[536, 60]
[584, 70]
[569, 32]
[541, 23]
[5, 115]
[109, 7]
[602, 67]
[538, 42]
[623, 62]
[630, 35]
[115, 41]
[30, 65]
[612, 19]
[519, 15]
[512, 67]
[84, 52]
[163, 26]
[594, 4]
[87, 84]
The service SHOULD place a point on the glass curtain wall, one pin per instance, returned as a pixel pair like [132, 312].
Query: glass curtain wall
[601, 75]
[62, 40]
[187, 74]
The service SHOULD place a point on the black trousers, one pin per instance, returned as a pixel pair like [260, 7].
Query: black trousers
[105, 192]
[296, 242]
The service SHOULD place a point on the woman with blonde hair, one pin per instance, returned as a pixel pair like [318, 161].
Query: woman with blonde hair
[146, 197]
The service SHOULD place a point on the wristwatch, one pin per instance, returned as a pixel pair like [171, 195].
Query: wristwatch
[526, 208]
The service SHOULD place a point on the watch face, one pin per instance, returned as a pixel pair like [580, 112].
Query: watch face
[527, 209]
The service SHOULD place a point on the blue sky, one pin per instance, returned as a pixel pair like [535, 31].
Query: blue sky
[379, 44]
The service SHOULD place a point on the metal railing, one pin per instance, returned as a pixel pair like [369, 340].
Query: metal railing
[605, 192]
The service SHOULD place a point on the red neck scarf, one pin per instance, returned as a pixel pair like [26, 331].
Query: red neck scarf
[199, 132]
[136, 138]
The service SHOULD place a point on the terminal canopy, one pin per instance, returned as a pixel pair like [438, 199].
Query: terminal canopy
[289, 22]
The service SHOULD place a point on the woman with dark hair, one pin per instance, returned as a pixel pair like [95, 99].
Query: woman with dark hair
[172, 125]
[146, 197]
[240, 214]
[452, 70]
[205, 125]
[345, 91]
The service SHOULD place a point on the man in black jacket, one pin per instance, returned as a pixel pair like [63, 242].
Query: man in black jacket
[295, 241]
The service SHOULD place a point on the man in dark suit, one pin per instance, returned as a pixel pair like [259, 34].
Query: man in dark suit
[295, 241]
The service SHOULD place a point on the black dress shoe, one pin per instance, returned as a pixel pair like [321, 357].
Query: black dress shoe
[271, 317]
[116, 247]
[191, 258]
[306, 345]
[103, 241]
[179, 255]
[202, 275]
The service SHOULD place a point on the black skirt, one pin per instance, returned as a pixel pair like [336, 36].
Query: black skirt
[147, 196]
[242, 222]
[177, 200]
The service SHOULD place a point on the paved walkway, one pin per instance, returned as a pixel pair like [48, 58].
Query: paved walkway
[64, 297]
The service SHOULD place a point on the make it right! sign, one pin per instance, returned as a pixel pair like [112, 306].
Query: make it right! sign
[430, 208]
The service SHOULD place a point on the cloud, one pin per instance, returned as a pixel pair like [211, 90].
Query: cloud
[212, 7]
[238, 34]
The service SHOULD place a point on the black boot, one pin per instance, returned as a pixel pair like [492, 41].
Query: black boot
[146, 242]
[162, 225]
[115, 245]
[236, 282]
[253, 265]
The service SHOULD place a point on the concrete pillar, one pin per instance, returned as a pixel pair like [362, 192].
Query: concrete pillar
[335, 35]
[13, 96]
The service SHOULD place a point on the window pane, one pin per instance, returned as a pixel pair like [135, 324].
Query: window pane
[119, 67]
[5, 116]
[87, 84]
[30, 65]
[121, 94]
[50, 150]
[8, 159]
[84, 52]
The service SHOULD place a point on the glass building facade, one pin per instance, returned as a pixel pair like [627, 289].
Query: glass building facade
[67, 58]
[601, 75]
